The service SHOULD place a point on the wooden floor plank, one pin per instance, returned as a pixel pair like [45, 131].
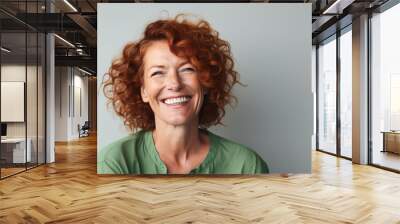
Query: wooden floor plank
[70, 191]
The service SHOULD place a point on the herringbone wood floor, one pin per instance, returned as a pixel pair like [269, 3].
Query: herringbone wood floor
[70, 191]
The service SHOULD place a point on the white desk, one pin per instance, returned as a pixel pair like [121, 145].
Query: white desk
[17, 146]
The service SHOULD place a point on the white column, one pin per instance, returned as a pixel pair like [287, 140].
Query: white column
[50, 94]
[360, 90]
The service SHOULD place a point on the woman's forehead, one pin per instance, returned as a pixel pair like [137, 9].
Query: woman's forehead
[158, 53]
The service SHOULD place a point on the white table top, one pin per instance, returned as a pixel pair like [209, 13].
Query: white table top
[13, 140]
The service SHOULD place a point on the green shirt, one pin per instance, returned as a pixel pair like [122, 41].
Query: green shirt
[137, 154]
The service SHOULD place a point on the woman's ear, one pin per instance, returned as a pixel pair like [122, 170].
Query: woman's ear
[144, 95]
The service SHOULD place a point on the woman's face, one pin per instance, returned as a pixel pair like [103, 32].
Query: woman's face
[171, 86]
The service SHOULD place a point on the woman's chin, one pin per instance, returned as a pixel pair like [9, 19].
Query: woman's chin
[179, 121]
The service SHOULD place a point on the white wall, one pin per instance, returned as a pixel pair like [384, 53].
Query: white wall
[61, 103]
[79, 117]
[67, 115]
[33, 127]
[16, 72]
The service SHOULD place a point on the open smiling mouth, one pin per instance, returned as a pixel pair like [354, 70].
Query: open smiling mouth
[177, 100]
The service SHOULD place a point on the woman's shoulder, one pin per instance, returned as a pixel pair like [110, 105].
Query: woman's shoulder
[119, 156]
[238, 154]
[125, 143]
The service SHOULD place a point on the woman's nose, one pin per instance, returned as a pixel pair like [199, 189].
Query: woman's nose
[173, 81]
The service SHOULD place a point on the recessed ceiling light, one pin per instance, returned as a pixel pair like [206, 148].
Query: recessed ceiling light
[64, 40]
[70, 5]
[5, 50]
[338, 6]
[84, 71]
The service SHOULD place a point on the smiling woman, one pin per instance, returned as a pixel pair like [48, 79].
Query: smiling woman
[173, 84]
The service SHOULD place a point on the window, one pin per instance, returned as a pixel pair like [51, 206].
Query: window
[346, 93]
[327, 96]
[385, 88]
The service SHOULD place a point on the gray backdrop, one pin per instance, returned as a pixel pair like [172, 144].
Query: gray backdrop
[271, 44]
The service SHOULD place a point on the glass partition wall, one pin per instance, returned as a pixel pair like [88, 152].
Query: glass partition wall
[22, 87]
[334, 105]
[13, 87]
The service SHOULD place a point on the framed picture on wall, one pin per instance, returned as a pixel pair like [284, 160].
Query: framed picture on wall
[204, 88]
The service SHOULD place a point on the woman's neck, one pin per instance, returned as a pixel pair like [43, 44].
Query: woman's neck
[180, 147]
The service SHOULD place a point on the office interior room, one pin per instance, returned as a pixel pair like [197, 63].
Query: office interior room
[48, 146]
[22, 100]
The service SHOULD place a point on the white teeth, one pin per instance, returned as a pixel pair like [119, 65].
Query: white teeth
[177, 100]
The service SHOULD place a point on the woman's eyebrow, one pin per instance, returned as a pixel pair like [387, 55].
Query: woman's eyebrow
[157, 66]
[184, 63]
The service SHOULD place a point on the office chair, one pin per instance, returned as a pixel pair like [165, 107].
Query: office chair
[84, 130]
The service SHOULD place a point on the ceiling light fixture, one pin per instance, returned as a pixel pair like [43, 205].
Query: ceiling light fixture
[79, 51]
[5, 49]
[331, 8]
[64, 40]
[84, 71]
[70, 5]
[337, 7]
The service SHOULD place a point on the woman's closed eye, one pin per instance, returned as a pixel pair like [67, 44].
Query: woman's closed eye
[187, 69]
[157, 73]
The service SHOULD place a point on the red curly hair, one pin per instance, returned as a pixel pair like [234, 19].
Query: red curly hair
[197, 42]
